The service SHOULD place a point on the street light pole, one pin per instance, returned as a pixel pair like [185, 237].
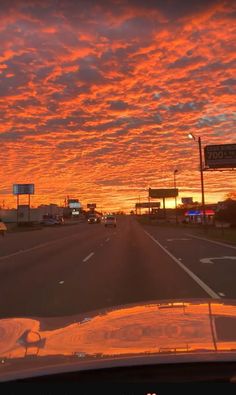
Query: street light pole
[202, 181]
[176, 218]
[191, 136]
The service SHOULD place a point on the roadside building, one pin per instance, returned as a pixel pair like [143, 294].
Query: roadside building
[196, 216]
[36, 214]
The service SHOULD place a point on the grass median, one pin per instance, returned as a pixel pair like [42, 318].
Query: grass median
[227, 235]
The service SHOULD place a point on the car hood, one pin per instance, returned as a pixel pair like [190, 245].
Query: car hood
[170, 331]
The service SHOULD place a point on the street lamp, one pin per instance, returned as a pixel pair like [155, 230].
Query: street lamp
[175, 172]
[192, 137]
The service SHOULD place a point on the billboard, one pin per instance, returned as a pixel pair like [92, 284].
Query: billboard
[74, 205]
[163, 193]
[73, 201]
[91, 205]
[220, 156]
[187, 200]
[23, 189]
[148, 205]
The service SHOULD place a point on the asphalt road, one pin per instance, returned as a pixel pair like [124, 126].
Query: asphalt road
[74, 269]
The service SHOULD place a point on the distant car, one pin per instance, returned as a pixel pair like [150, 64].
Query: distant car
[110, 220]
[50, 221]
[93, 220]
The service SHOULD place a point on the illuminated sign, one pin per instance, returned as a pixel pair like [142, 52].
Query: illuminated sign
[75, 212]
[23, 189]
[75, 205]
[191, 213]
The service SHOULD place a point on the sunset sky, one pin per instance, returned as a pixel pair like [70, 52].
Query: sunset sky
[97, 97]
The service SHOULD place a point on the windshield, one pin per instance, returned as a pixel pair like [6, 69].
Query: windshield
[123, 112]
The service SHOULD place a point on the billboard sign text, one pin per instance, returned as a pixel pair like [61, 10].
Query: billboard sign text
[220, 156]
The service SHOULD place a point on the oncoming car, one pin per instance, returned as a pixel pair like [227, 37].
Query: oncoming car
[110, 220]
[93, 219]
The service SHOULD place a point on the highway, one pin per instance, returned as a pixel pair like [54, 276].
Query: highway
[74, 269]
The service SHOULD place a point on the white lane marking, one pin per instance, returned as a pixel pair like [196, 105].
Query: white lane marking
[61, 282]
[181, 239]
[107, 239]
[88, 257]
[221, 294]
[38, 246]
[213, 241]
[204, 286]
[210, 260]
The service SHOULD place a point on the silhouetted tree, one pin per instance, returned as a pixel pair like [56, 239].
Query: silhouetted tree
[227, 212]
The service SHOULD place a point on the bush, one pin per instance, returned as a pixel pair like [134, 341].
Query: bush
[227, 212]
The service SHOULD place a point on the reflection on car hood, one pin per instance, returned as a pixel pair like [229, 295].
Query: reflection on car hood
[161, 330]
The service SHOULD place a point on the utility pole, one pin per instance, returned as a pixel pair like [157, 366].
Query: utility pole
[191, 136]
[202, 180]
[176, 218]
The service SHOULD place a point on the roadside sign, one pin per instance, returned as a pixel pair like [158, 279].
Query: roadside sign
[187, 200]
[163, 193]
[148, 205]
[74, 203]
[23, 189]
[220, 156]
[91, 205]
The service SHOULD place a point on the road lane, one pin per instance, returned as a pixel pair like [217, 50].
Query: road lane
[193, 276]
[22, 240]
[58, 279]
[29, 282]
[194, 254]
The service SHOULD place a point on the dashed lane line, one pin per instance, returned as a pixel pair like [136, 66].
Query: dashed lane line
[38, 246]
[88, 257]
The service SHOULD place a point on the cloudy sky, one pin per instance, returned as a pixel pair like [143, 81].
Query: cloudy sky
[97, 97]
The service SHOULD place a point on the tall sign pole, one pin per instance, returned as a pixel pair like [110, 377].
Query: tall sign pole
[29, 208]
[202, 180]
[17, 209]
[176, 218]
[22, 189]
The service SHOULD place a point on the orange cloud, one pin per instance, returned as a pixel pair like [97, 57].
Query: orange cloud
[100, 99]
